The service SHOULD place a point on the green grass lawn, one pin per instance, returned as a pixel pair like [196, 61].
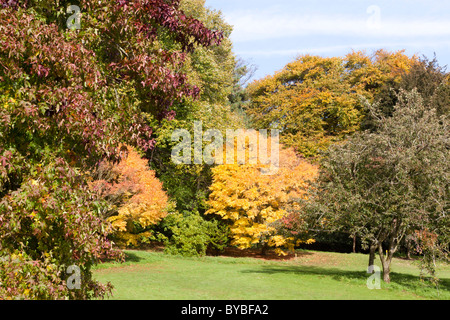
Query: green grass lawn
[311, 275]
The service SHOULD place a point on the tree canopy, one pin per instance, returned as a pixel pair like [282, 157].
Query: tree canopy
[317, 101]
[69, 99]
[391, 183]
[253, 203]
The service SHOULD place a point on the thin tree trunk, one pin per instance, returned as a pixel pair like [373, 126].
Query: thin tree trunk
[354, 243]
[372, 250]
[393, 240]
[386, 262]
[408, 242]
[408, 253]
[387, 271]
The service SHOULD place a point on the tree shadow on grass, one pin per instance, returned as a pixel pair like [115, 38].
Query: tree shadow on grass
[405, 281]
[256, 254]
[336, 274]
[132, 257]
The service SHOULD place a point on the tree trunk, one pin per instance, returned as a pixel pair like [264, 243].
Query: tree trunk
[394, 238]
[387, 271]
[264, 249]
[354, 243]
[372, 250]
[408, 243]
[386, 262]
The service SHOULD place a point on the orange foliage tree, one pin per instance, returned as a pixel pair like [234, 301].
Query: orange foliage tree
[254, 203]
[136, 195]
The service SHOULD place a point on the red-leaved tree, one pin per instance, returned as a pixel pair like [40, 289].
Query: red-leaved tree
[68, 100]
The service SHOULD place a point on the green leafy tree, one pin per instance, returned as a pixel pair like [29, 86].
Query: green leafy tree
[385, 184]
[211, 69]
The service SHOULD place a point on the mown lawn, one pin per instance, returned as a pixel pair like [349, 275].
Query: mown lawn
[311, 275]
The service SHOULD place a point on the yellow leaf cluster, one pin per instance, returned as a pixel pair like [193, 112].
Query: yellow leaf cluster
[253, 202]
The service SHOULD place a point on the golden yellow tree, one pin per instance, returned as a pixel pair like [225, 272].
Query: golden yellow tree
[254, 202]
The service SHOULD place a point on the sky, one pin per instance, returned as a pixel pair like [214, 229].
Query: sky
[270, 34]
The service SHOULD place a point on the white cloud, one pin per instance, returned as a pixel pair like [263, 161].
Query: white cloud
[346, 48]
[266, 25]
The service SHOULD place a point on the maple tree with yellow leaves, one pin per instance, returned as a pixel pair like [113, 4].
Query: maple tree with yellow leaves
[253, 202]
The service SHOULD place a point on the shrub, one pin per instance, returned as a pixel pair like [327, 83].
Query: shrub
[192, 235]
